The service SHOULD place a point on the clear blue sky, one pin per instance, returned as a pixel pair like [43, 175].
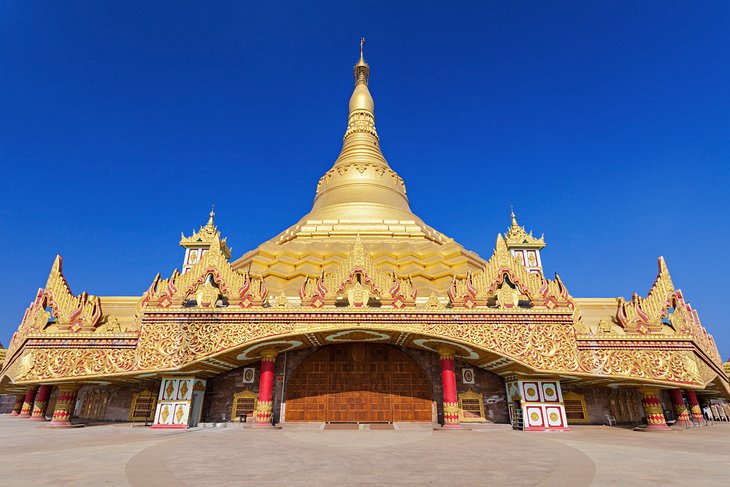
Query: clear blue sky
[606, 126]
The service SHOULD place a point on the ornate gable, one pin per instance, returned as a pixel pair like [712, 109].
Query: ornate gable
[211, 278]
[358, 280]
[71, 313]
[664, 303]
[56, 304]
[507, 281]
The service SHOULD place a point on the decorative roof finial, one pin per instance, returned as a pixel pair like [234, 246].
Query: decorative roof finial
[514, 218]
[212, 216]
[362, 70]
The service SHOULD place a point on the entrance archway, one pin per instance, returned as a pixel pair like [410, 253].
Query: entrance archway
[359, 382]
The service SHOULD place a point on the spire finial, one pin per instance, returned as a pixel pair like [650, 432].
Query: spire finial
[514, 218]
[212, 216]
[362, 70]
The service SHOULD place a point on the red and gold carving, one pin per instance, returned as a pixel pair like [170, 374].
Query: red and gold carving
[240, 288]
[478, 287]
[358, 278]
[653, 409]
[50, 363]
[646, 315]
[65, 403]
[28, 402]
[694, 405]
[541, 346]
[448, 383]
[666, 365]
[18, 406]
[170, 345]
[41, 402]
[262, 414]
[679, 407]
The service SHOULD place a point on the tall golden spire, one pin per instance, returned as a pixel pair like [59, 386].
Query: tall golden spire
[361, 194]
[362, 70]
[360, 175]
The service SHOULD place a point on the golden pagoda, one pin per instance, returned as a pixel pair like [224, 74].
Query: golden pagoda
[361, 312]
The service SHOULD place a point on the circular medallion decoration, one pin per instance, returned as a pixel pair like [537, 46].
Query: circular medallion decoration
[530, 391]
[554, 417]
[549, 392]
[534, 417]
[468, 376]
[248, 375]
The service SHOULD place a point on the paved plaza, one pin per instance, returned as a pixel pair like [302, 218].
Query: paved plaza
[32, 454]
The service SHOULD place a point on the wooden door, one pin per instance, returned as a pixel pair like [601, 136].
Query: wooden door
[359, 382]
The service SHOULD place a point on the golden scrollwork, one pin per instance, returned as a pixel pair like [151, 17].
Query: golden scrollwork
[170, 345]
[53, 363]
[540, 346]
[663, 365]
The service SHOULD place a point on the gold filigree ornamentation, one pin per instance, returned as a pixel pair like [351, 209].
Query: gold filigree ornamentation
[169, 345]
[542, 347]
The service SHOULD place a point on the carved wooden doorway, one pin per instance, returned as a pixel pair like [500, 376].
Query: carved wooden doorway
[359, 382]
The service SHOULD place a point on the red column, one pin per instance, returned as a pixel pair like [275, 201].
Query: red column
[448, 383]
[41, 402]
[680, 408]
[18, 406]
[65, 404]
[653, 409]
[28, 403]
[694, 405]
[262, 415]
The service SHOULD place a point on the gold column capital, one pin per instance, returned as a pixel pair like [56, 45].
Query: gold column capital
[650, 391]
[69, 387]
[445, 352]
[269, 354]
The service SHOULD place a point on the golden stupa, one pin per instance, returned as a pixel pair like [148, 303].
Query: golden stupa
[360, 275]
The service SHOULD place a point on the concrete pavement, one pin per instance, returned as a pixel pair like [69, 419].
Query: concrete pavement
[121, 455]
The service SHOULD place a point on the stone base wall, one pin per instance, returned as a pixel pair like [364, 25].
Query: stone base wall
[115, 401]
[6, 404]
[220, 389]
[623, 404]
